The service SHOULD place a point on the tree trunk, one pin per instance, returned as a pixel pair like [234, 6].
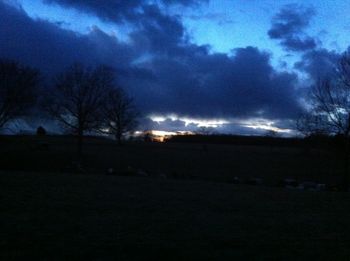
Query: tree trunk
[118, 137]
[80, 144]
[119, 131]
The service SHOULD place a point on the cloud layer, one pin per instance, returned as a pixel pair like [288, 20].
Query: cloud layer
[288, 26]
[116, 10]
[161, 68]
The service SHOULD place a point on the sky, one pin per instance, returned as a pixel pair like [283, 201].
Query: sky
[237, 66]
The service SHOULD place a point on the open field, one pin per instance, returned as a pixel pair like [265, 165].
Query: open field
[186, 209]
[195, 161]
[90, 217]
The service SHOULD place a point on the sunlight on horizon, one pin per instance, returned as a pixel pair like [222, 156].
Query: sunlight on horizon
[207, 123]
[263, 125]
[255, 123]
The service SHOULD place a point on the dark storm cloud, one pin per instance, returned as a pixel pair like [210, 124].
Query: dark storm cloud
[318, 64]
[159, 67]
[298, 44]
[107, 10]
[201, 84]
[158, 33]
[288, 26]
[116, 10]
[45, 45]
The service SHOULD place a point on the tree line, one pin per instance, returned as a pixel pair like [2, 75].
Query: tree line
[82, 99]
[88, 99]
[85, 99]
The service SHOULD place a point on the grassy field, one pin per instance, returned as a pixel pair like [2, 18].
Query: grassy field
[52, 210]
[91, 217]
[203, 162]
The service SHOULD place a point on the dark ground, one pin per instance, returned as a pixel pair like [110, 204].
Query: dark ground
[89, 217]
[200, 161]
[49, 211]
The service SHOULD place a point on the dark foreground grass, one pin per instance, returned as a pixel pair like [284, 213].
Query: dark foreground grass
[91, 217]
[214, 162]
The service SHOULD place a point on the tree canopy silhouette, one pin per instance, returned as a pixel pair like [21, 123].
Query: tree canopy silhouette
[77, 98]
[329, 104]
[18, 90]
[120, 114]
[329, 110]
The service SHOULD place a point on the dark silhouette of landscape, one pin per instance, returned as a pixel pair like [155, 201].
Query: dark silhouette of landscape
[123, 138]
[214, 199]
[95, 189]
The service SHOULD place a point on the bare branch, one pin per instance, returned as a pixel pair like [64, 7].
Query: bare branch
[18, 90]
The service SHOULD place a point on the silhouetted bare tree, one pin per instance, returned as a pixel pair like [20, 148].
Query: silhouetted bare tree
[78, 97]
[120, 114]
[329, 109]
[18, 90]
[311, 124]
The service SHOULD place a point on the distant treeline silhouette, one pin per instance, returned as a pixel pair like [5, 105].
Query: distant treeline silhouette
[319, 141]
